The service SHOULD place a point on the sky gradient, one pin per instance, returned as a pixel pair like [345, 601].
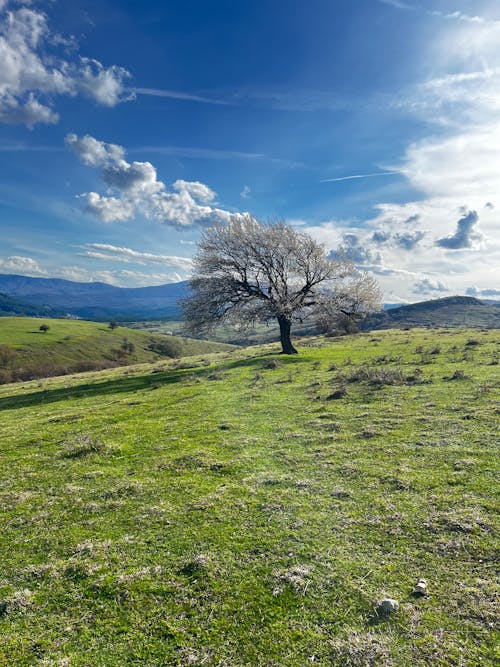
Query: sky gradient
[127, 127]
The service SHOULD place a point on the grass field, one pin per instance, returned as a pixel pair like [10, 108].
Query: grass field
[74, 345]
[249, 509]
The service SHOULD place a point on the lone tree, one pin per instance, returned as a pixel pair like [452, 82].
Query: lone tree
[247, 272]
[44, 328]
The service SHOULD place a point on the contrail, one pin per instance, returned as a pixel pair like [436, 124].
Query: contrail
[355, 176]
[176, 95]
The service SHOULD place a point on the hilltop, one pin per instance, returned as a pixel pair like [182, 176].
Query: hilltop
[253, 509]
[71, 346]
[452, 311]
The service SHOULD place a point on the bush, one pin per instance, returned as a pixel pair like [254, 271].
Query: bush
[5, 376]
[7, 355]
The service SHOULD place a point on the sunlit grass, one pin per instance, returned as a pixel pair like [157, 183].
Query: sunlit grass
[227, 510]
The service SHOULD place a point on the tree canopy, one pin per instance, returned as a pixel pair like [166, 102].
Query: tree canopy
[247, 272]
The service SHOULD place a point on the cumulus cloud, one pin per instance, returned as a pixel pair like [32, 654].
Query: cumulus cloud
[429, 286]
[359, 253]
[465, 235]
[404, 240]
[485, 291]
[35, 68]
[408, 240]
[121, 254]
[195, 189]
[108, 209]
[133, 189]
[92, 152]
[17, 264]
[245, 193]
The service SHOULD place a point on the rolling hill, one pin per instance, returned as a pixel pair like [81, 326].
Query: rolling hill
[70, 346]
[453, 311]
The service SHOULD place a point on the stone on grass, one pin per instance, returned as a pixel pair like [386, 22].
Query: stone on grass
[420, 588]
[387, 606]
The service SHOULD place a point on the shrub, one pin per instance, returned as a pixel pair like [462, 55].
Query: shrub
[7, 355]
[5, 376]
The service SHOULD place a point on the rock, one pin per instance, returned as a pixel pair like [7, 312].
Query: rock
[387, 606]
[420, 588]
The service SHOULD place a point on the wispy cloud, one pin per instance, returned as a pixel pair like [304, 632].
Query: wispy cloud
[460, 16]
[203, 153]
[353, 177]
[18, 147]
[452, 16]
[178, 95]
[199, 153]
[128, 255]
[397, 4]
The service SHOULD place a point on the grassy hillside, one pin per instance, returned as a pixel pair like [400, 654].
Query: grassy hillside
[71, 346]
[453, 311]
[252, 510]
[258, 335]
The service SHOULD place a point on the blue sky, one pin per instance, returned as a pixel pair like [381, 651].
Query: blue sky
[127, 127]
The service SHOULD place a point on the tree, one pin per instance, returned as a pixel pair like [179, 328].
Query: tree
[247, 272]
[113, 325]
[44, 328]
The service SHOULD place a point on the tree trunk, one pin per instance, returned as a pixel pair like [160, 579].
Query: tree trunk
[286, 343]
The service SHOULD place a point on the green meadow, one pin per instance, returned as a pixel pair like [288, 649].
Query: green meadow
[69, 346]
[250, 509]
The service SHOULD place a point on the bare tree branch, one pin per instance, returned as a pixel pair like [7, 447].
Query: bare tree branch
[247, 272]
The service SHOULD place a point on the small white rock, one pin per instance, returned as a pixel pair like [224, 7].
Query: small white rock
[420, 587]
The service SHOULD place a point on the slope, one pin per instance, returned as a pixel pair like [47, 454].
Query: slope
[253, 511]
[453, 311]
[70, 346]
[10, 306]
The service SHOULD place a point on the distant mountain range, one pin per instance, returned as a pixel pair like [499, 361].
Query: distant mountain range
[94, 301]
[12, 306]
[53, 297]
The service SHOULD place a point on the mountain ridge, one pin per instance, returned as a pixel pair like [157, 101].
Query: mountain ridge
[100, 301]
[96, 300]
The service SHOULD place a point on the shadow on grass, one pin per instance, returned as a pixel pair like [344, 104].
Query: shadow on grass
[124, 385]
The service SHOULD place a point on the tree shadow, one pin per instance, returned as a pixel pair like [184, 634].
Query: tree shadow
[124, 385]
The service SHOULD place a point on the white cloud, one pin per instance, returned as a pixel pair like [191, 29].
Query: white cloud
[108, 209]
[33, 70]
[92, 152]
[121, 254]
[17, 264]
[429, 286]
[465, 236]
[195, 189]
[133, 189]
[245, 193]
[122, 278]
[482, 292]
[137, 179]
